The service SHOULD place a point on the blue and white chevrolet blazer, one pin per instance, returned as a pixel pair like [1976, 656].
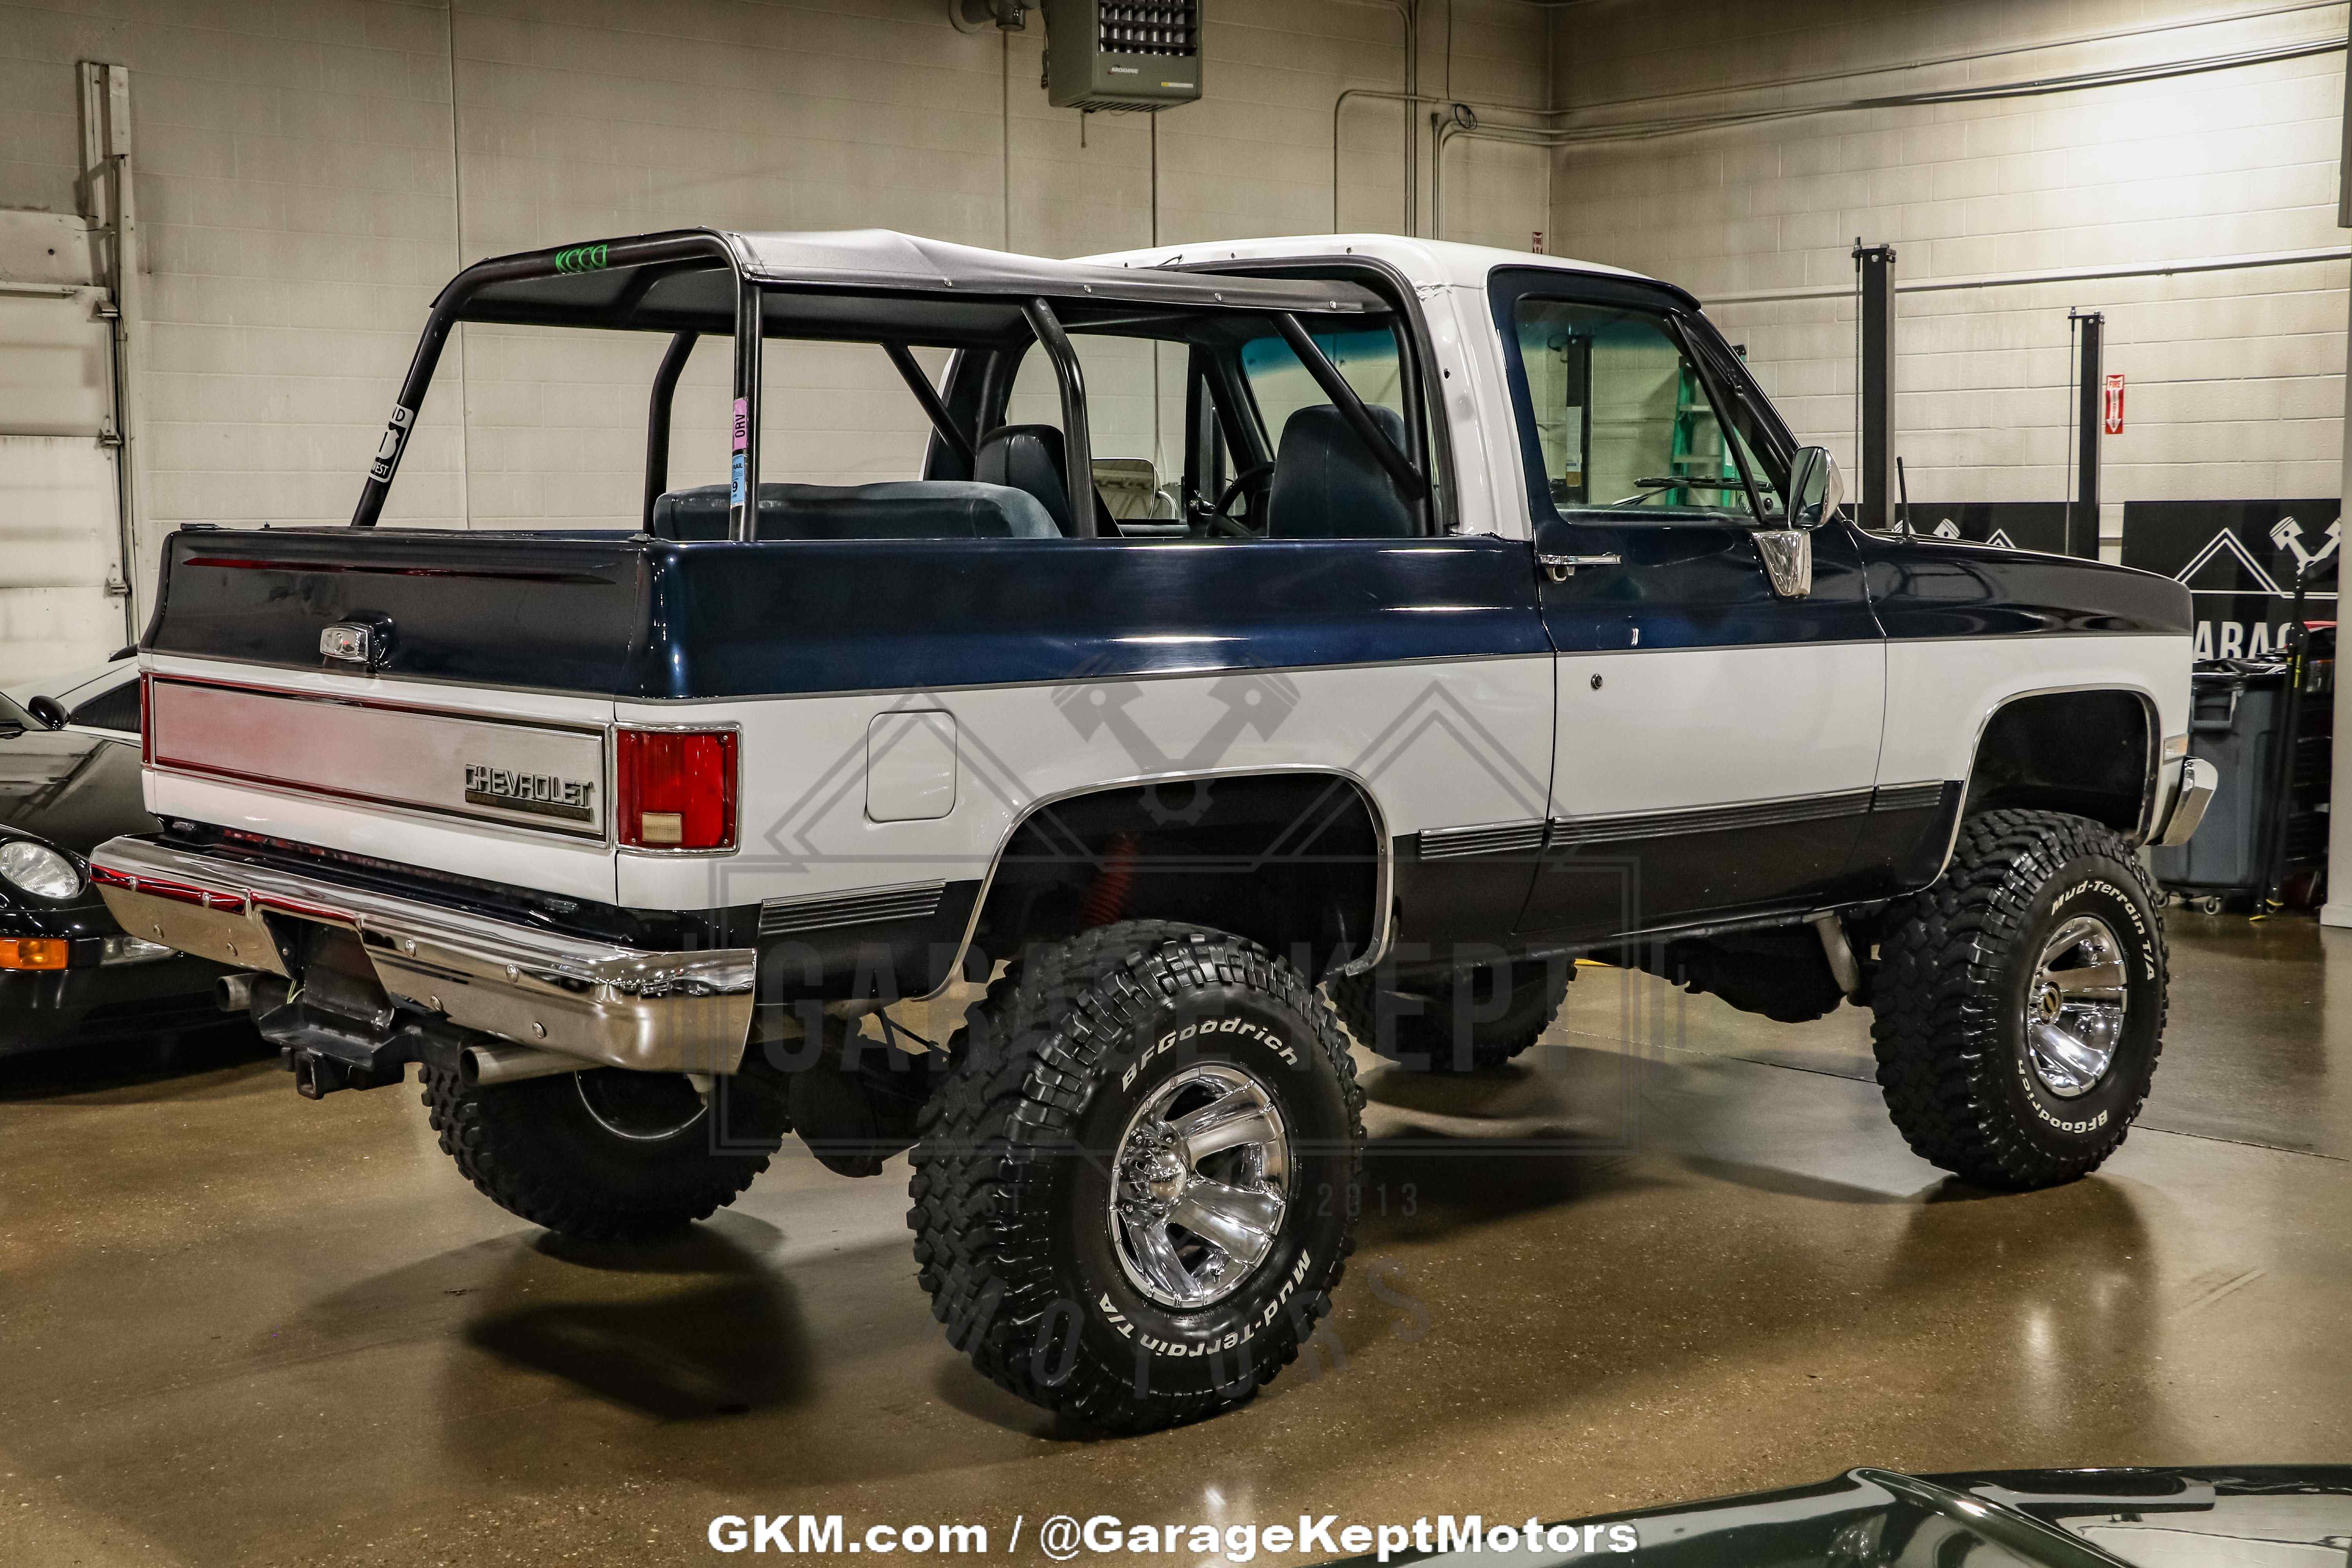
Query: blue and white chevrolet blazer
[1259, 644]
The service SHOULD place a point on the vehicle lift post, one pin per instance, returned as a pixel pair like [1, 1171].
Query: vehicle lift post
[2083, 514]
[1874, 428]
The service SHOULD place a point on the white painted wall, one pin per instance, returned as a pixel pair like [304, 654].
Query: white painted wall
[310, 172]
[2234, 379]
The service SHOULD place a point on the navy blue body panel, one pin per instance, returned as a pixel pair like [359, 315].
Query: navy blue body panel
[633, 617]
[1694, 583]
[551, 612]
[819, 616]
[1927, 587]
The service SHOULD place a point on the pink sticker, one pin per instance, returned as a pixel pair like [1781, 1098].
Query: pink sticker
[743, 422]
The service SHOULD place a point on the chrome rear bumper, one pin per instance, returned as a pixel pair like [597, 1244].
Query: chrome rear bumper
[654, 1011]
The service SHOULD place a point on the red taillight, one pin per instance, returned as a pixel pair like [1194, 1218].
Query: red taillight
[146, 721]
[676, 788]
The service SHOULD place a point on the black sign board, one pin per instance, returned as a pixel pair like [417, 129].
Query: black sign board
[2240, 558]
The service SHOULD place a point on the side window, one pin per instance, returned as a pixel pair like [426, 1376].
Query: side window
[1625, 419]
[115, 710]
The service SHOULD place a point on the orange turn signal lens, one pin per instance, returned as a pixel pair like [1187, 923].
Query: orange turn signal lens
[33, 952]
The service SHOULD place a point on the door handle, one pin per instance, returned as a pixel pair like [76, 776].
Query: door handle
[1560, 568]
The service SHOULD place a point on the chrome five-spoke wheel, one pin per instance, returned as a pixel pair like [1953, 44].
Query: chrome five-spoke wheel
[1199, 1186]
[2074, 1008]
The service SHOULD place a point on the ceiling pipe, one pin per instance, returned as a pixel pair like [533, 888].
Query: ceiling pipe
[1409, 15]
[2034, 86]
[1454, 110]
[1448, 127]
[1463, 124]
[2045, 46]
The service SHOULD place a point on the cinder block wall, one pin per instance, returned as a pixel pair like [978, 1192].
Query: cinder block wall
[2234, 380]
[312, 171]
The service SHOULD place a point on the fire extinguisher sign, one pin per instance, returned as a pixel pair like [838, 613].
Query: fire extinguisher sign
[2113, 403]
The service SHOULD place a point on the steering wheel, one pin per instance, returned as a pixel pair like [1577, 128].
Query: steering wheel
[1218, 520]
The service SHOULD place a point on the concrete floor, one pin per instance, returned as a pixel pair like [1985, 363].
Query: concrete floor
[1682, 1254]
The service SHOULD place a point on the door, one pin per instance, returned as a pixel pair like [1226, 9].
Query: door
[63, 592]
[1715, 742]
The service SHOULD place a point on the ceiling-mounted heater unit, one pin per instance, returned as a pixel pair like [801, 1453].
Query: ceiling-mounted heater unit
[1110, 57]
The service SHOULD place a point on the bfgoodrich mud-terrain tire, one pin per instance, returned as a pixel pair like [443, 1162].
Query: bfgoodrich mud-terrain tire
[2019, 1001]
[1465, 1027]
[1118, 1089]
[607, 1155]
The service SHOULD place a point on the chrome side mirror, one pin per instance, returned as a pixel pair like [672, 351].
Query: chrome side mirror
[1815, 488]
[1787, 553]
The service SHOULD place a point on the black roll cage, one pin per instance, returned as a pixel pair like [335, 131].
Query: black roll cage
[651, 258]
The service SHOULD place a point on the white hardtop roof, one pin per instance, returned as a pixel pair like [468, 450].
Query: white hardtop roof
[885, 257]
[1423, 261]
[678, 280]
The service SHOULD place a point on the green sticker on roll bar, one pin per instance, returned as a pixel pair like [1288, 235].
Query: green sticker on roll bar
[581, 258]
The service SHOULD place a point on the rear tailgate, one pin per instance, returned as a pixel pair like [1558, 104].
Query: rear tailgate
[476, 741]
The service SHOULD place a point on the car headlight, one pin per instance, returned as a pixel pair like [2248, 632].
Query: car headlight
[38, 869]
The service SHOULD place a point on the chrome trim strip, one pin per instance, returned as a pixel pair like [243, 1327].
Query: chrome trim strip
[620, 1006]
[1925, 795]
[1488, 839]
[2150, 715]
[1206, 672]
[356, 700]
[1383, 880]
[864, 906]
[1567, 832]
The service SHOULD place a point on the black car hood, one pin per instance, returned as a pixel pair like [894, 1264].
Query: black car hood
[71, 788]
[2257, 1516]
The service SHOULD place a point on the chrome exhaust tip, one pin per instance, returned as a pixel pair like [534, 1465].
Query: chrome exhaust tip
[486, 1065]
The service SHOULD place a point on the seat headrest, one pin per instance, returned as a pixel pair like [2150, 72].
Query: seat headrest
[1033, 457]
[1327, 485]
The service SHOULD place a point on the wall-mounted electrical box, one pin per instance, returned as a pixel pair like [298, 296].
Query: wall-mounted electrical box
[1144, 56]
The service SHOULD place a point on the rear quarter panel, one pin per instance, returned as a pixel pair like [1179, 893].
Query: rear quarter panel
[1417, 667]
